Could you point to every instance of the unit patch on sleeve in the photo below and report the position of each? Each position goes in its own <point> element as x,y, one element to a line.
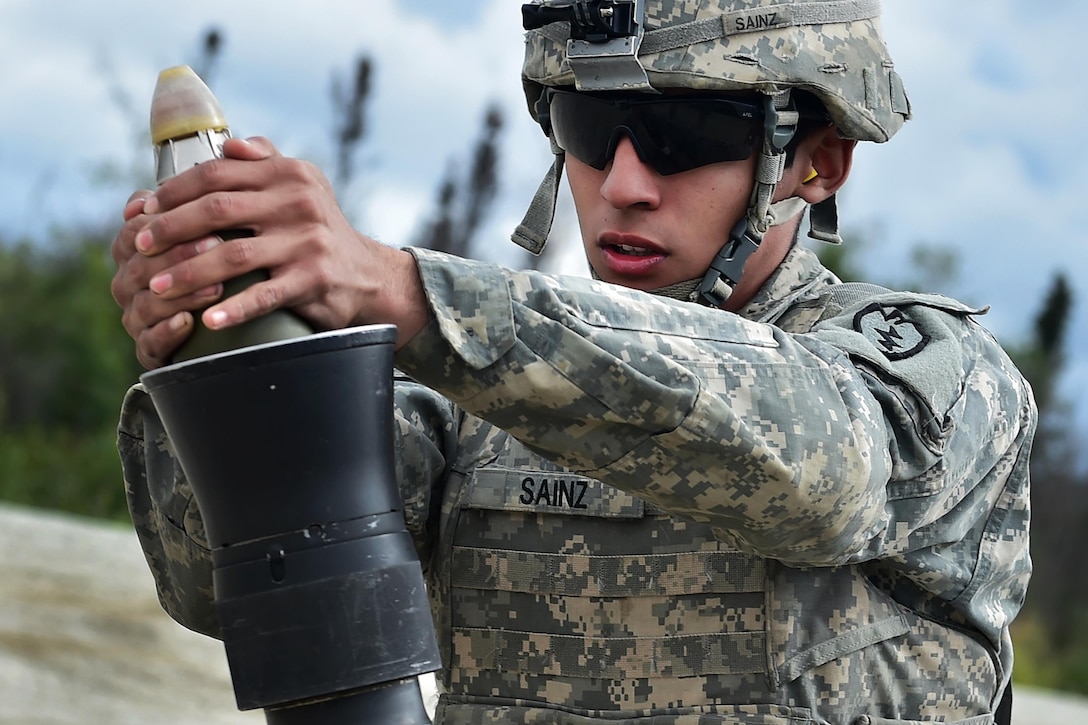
<point>893,333</point>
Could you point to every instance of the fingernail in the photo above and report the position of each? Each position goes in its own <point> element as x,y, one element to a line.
<point>151,205</point>
<point>160,283</point>
<point>143,241</point>
<point>177,322</point>
<point>216,319</point>
<point>205,244</point>
<point>209,292</point>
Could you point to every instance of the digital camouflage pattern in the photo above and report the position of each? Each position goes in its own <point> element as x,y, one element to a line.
<point>843,512</point>
<point>165,515</point>
<point>641,511</point>
<point>832,48</point>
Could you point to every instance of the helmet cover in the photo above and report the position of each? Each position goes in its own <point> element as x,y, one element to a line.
<point>830,48</point>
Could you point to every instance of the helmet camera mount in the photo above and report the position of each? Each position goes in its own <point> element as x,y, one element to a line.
<point>603,43</point>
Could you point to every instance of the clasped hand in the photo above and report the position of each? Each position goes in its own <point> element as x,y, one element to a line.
<point>171,262</point>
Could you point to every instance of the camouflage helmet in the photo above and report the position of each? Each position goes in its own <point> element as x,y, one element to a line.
<point>830,48</point>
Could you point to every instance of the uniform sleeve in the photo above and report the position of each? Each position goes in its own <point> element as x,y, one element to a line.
<point>960,421</point>
<point>791,446</point>
<point>424,444</point>
<point>165,515</point>
<point>169,525</point>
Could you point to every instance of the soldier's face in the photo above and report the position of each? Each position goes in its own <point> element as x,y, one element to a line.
<point>644,230</point>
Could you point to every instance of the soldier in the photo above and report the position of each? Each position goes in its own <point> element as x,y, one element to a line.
<point>711,485</point>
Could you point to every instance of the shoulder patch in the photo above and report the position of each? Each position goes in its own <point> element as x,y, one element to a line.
<point>893,333</point>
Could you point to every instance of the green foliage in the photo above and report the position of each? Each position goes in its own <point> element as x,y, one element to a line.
<point>842,258</point>
<point>61,469</point>
<point>1042,662</point>
<point>65,362</point>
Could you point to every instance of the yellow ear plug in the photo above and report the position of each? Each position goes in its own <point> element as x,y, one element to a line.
<point>811,175</point>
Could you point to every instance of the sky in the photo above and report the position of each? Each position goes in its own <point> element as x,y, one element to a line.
<point>989,167</point>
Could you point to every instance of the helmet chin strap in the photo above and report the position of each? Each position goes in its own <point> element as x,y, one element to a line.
<point>692,290</point>
<point>727,267</point>
<point>536,225</point>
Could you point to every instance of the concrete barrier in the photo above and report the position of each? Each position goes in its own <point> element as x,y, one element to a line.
<point>83,640</point>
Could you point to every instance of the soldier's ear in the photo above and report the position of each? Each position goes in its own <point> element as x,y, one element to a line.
<point>828,155</point>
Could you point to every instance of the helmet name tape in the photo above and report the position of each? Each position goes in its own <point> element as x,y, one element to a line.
<point>747,21</point>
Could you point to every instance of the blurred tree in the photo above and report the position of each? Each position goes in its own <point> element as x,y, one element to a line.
<point>211,48</point>
<point>349,109</point>
<point>65,362</point>
<point>1054,625</point>
<point>933,267</point>
<point>1043,360</point>
<point>462,204</point>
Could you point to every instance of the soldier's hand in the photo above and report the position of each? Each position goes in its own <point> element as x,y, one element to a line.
<point>318,265</point>
<point>158,325</point>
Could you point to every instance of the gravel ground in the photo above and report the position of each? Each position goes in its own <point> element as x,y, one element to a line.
<point>83,640</point>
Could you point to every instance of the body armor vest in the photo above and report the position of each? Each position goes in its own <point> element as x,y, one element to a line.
<point>581,604</point>
<point>562,600</point>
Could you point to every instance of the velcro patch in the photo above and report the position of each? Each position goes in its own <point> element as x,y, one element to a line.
<point>891,331</point>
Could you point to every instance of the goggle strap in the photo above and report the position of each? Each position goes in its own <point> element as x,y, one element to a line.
<point>532,233</point>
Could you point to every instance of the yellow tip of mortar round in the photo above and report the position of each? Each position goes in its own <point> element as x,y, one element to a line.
<point>183,105</point>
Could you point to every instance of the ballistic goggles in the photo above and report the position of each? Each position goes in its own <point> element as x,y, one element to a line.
<point>670,133</point>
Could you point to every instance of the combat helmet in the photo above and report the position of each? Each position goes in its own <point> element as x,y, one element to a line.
<point>830,49</point>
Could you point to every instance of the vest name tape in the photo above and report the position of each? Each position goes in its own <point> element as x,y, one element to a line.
<point>506,489</point>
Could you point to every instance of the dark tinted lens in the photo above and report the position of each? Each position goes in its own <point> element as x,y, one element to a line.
<point>682,135</point>
<point>671,134</point>
<point>583,126</point>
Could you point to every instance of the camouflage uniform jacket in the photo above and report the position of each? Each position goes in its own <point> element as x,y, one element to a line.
<point>641,511</point>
